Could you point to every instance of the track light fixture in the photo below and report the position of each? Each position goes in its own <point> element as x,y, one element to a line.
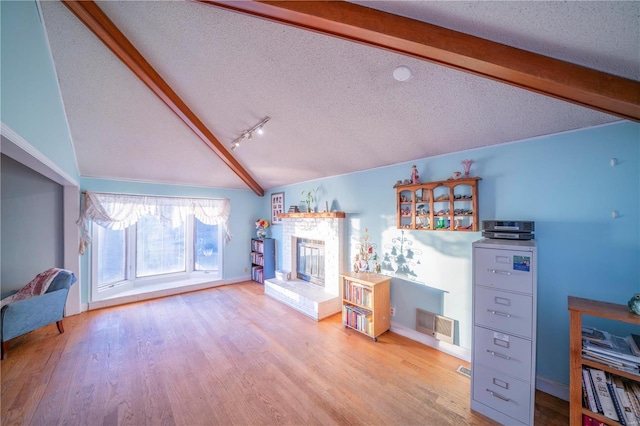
<point>248,134</point>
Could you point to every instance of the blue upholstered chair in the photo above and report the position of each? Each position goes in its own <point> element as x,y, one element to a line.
<point>21,317</point>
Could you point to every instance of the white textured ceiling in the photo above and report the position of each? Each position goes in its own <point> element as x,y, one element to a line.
<point>334,105</point>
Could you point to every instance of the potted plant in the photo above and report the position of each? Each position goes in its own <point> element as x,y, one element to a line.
<point>310,197</point>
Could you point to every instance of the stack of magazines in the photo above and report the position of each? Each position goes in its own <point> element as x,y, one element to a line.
<point>622,353</point>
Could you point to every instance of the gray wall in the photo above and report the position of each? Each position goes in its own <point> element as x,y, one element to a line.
<point>32,227</point>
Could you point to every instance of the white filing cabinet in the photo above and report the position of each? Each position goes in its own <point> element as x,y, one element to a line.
<point>503,355</point>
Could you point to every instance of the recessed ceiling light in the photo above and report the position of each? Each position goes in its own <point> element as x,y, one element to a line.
<point>402,73</point>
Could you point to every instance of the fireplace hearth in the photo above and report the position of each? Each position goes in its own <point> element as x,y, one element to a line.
<point>313,250</point>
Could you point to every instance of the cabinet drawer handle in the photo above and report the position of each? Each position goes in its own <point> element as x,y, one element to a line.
<point>497,395</point>
<point>502,314</point>
<point>498,271</point>
<point>498,354</point>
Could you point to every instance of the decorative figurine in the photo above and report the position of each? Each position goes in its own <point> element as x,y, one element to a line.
<point>366,252</point>
<point>467,167</point>
<point>634,304</point>
<point>455,176</point>
<point>414,175</point>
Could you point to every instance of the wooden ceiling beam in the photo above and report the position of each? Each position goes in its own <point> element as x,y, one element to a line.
<point>531,71</point>
<point>92,16</point>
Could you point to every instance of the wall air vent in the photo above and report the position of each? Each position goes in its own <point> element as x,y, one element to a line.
<point>436,326</point>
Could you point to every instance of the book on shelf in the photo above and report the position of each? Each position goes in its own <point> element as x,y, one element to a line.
<point>590,421</point>
<point>606,342</point>
<point>602,391</point>
<point>618,364</point>
<point>616,404</point>
<point>624,402</point>
<point>358,293</point>
<point>634,343</point>
<point>588,385</point>
<point>358,318</point>
<point>614,351</point>
<point>615,397</point>
<point>633,395</point>
<point>596,337</point>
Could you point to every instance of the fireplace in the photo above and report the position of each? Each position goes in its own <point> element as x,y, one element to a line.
<point>314,287</point>
<point>310,261</point>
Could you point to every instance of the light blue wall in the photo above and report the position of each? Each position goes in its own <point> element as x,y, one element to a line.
<point>245,207</point>
<point>30,98</point>
<point>563,182</point>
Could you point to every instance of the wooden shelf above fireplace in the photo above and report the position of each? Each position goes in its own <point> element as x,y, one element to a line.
<point>323,215</point>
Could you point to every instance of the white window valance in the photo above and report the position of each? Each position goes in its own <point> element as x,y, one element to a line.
<point>119,211</point>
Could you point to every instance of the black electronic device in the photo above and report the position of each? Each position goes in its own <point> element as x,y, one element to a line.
<point>508,229</point>
<point>508,225</point>
<point>508,235</point>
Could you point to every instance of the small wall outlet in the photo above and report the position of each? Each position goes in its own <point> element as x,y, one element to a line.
<point>393,311</point>
<point>246,269</point>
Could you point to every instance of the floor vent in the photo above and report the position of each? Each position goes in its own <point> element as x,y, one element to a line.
<point>464,371</point>
<point>436,326</point>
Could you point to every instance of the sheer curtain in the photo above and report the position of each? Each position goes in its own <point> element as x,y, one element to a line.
<point>119,211</point>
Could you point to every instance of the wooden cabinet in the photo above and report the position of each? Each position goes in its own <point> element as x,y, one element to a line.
<point>577,308</point>
<point>503,351</point>
<point>448,205</point>
<point>263,259</point>
<point>365,303</point>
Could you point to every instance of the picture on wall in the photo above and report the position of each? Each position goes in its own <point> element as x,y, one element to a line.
<point>277,207</point>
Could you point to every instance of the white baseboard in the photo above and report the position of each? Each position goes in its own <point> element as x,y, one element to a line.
<point>543,384</point>
<point>546,385</point>
<point>453,350</point>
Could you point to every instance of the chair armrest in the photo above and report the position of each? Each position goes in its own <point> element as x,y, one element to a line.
<point>30,314</point>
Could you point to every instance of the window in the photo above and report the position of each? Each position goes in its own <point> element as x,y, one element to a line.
<point>154,252</point>
<point>111,257</point>
<point>160,247</point>
<point>207,239</point>
<point>162,240</point>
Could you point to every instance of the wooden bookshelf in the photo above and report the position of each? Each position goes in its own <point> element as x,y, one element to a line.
<point>365,303</point>
<point>577,308</point>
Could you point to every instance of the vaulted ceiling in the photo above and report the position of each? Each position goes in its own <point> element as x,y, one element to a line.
<point>191,77</point>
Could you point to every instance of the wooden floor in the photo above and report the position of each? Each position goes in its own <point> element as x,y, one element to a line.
<point>231,356</point>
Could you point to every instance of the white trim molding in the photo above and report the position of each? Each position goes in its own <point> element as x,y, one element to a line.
<point>15,146</point>
<point>22,151</point>
<point>557,389</point>
<point>453,350</point>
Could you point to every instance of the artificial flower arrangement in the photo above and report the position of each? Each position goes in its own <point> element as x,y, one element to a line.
<point>262,223</point>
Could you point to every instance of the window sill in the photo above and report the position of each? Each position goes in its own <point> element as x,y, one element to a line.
<point>154,291</point>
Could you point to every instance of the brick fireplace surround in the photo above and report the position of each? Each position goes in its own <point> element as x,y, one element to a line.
<point>312,300</point>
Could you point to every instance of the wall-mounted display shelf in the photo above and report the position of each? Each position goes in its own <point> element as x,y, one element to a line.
<point>577,308</point>
<point>447,205</point>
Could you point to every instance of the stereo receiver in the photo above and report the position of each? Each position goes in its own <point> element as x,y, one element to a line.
<point>508,229</point>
